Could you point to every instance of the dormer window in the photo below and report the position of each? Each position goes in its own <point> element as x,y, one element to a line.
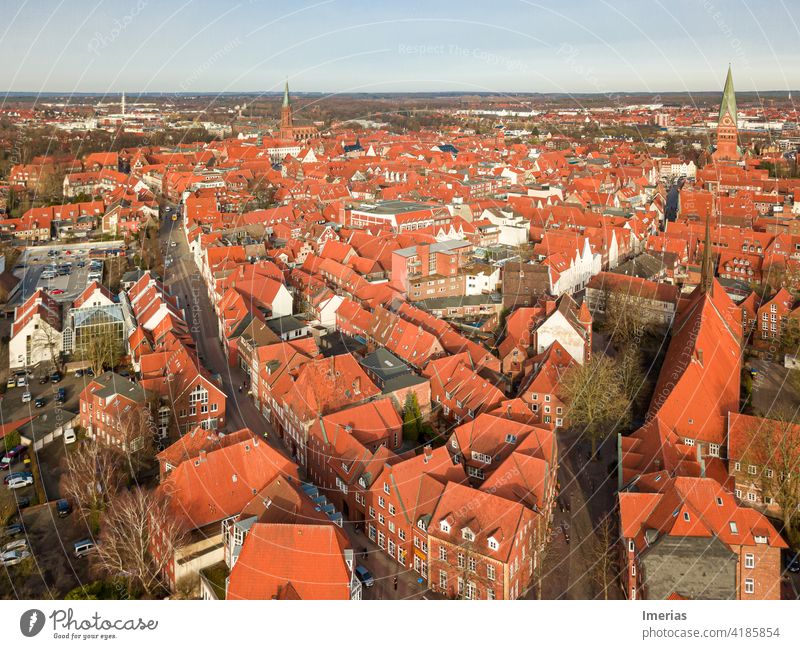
<point>511,439</point>
<point>493,544</point>
<point>444,526</point>
<point>467,534</point>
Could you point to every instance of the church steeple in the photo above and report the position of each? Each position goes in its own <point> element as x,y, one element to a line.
<point>707,269</point>
<point>728,105</point>
<point>727,124</point>
<point>287,124</point>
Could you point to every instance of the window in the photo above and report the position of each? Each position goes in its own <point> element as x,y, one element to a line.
<point>401,533</point>
<point>493,544</point>
<point>734,527</point>
<point>738,493</point>
<point>631,546</point>
<point>713,450</point>
<point>442,553</point>
<point>381,519</point>
<point>769,473</point>
<point>386,486</point>
<point>490,593</point>
<point>686,516</point>
<point>442,580</point>
<point>382,501</point>
<point>749,560</point>
<point>371,512</point>
<point>633,570</point>
<point>749,586</point>
<point>471,563</point>
<point>445,526</point>
<point>737,466</point>
<point>751,469</point>
<point>461,560</point>
<point>467,534</point>
<point>751,497</point>
<point>688,442</point>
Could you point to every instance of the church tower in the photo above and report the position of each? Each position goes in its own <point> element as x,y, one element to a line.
<point>727,129</point>
<point>287,131</point>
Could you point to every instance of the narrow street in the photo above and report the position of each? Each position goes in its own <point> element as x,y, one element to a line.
<point>182,278</point>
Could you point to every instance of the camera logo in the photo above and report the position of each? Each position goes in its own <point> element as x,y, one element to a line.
<point>31,622</point>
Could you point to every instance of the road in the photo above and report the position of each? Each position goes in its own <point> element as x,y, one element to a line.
<point>182,278</point>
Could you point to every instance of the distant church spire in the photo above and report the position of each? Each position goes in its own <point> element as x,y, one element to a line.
<point>707,269</point>
<point>286,95</point>
<point>727,124</point>
<point>122,104</point>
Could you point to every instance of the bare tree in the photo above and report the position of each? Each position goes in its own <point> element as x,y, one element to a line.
<point>604,568</point>
<point>91,476</point>
<point>136,434</point>
<point>625,317</point>
<point>775,449</point>
<point>46,342</point>
<point>102,349</point>
<point>135,523</point>
<point>596,402</point>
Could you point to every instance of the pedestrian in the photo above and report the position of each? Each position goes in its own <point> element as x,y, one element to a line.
<point>395,583</point>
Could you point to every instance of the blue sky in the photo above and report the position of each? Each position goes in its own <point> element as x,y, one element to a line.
<point>403,45</point>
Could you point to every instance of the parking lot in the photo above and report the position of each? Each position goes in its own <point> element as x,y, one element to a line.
<point>63,287</point>
<point>52,570</point>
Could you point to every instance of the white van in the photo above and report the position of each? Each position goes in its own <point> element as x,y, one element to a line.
<point>48,274</point>
<point>82,548</point>
<point>70,436</point>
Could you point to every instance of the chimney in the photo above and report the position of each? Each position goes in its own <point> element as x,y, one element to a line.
<point>202,456</point>
<point>428,450</point>
<point>357,385</point>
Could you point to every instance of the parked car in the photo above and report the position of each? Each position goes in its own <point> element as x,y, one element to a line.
<point>11,383</point>
<point>16,474</point>
<point>18,483</point>
<point>84,547</point>
<point>78,374</point>
<point>13,529</point>
<point>69,436</point>
<point>61,395</point>
<point>57,291</point>
<point>14,557</point>
<point>12,455</point>
<point>63,508</point>
<point>23,502</point>
<point>44,379</point>
<point>793,563</point>
<point>55,377</point>
<point>26,397</point>
<point>40,401</point>
<point>15,545</point>
<point>22,381</point>
<point>365,576</point>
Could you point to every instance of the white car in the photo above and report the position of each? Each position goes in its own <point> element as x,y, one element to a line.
<point>19,544</point>
<point>70,436</point>
<point>26,396</point>
<point>14,557</point>
<point>22,381</point>
<point>17,483</point>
